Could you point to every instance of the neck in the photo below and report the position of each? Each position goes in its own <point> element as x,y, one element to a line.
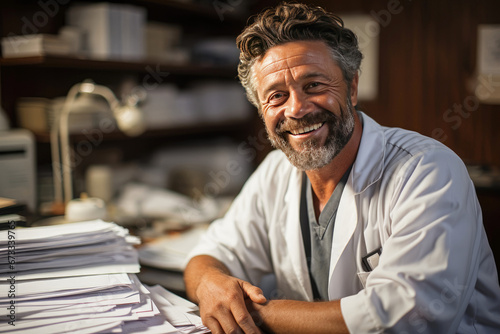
<point>324,180</point>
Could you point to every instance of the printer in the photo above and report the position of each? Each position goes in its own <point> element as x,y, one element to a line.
<point>18,167</point>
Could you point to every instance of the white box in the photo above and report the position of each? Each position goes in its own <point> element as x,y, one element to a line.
<point>133,22</point>
<point>112,31</point>
<point>100,24</point>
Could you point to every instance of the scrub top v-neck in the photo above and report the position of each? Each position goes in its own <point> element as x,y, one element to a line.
<point>318,234</point>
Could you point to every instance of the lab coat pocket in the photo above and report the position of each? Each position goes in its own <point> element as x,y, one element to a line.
<point>363,276</point>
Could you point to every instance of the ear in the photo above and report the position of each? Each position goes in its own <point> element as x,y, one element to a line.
<point>354,89</point>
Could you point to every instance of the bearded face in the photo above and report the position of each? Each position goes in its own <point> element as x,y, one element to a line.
<point>312,153</point>
<point>305,102</point>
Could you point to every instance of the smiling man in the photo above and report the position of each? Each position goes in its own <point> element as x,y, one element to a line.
<point>310,135</point>
<point>365,228</point>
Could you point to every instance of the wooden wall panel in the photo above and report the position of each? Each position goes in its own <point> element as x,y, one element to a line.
<point>426,67</point>
<point>427,63</point>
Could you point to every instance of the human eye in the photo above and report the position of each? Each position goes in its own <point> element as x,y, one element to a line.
<point>313,86</point>
<point>277,98</point>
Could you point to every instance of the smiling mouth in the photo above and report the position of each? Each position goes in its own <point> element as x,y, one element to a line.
<point>306,129</point>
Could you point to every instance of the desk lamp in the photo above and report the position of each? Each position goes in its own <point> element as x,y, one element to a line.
<point>128,118</point>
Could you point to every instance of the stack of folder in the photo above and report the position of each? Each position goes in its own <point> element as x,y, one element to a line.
<point>80,278</point>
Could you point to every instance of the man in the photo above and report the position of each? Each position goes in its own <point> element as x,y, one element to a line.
<point>365,228</point>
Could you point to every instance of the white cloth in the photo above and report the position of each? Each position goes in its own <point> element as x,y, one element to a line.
<point>406,193</point>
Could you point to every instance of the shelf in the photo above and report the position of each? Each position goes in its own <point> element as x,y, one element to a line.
<point>117,65</point>
<point>234,127</point>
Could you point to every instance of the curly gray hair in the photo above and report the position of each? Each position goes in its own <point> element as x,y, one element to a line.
<point>289,22</point>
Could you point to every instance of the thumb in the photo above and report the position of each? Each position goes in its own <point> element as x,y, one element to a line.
<point>254,293</point>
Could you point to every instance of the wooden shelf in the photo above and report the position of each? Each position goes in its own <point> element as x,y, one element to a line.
<point>117,65</point>
<point>230,127</point>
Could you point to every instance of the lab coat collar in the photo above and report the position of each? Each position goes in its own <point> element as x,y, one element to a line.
<point>369,163</point>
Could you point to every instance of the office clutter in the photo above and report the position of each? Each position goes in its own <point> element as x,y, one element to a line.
<point>202,102</point>
<point>165,106</point>
<point>138,200</point>
<point>80,278</point>
<point>171,252</point>
<point>114,31</point>
<point>183,186</point>
<point>127,115</point>
<point>39,114</point>
<point>36,45</point>
<point>163,43</point>
<point>99,182</point>
<point>35,114</point>
<point>208,168</point>
<point>189,75</point>
<point>85,208</point>
<point>211,168</point>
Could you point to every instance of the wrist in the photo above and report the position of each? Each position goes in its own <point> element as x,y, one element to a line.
<point>261,313</point>
<point>197,275</point>
<point>211,283</point>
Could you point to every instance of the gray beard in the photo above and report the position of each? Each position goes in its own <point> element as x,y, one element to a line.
<point>312,155</point>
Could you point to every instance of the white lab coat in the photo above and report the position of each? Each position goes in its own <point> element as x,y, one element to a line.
<point>406,193</point>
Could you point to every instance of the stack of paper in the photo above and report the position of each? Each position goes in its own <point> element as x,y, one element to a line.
<point>79,278</point>
<point>34,45</point>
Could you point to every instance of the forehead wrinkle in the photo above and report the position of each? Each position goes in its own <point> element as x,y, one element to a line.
<point>282,65</point>
<point>287,63</point>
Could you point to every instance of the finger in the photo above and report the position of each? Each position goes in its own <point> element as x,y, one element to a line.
<point>213,325</point>
<point>254,293</point>
<point>244,319</point>
<point>254,313</point>
<point>229,324</point>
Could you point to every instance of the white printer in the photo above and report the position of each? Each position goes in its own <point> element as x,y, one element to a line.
<point>18,166</point>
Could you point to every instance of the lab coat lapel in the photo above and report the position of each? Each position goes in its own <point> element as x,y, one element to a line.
<point>342,262</point>
<point>366,170</point>
<point>293,238</point>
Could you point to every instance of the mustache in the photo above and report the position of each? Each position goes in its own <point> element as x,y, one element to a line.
<point>313,118</point>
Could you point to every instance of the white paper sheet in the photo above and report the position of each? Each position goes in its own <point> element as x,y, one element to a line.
<point>30,287</point>
<point>80,278</point>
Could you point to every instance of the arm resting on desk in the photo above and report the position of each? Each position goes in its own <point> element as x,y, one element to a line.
<point>227,303</point>
<point>291,316</point>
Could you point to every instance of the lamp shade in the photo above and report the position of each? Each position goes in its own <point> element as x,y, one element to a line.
<point>130,120</point>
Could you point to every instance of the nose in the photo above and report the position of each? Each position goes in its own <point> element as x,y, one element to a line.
<point>297,105</point>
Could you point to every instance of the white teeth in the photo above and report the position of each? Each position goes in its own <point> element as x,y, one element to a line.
<point>306,129</point>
